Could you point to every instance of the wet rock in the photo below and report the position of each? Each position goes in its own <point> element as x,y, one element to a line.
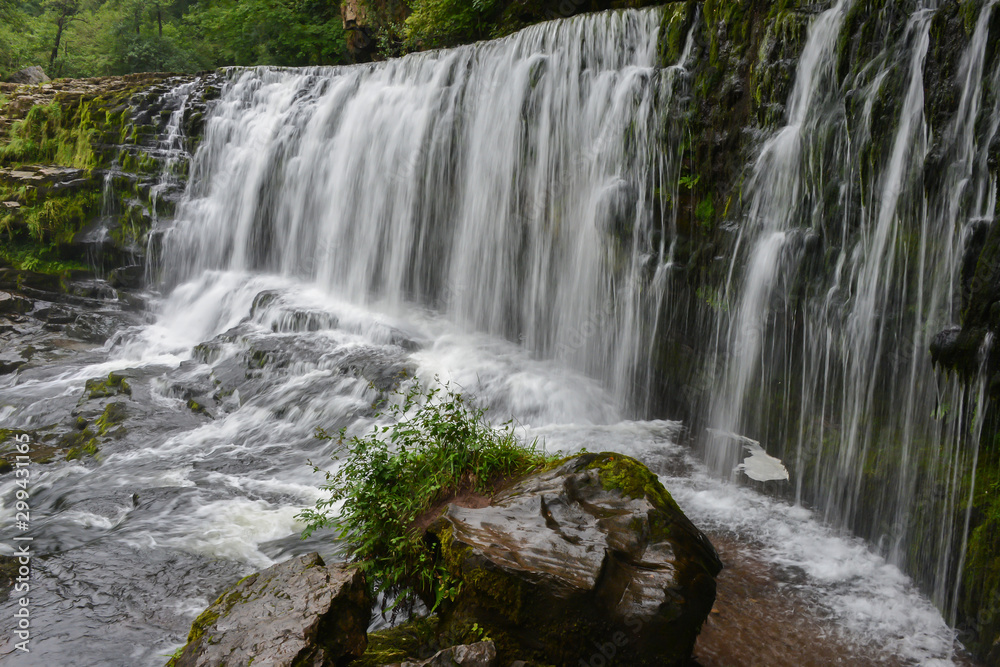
<point>10,365</point>
<point>301,612</point>
<point>615,210</point>
<point>87,288</point>
<point>197,408</point>
<point>55,315</point>
<point>958,348</point>
<point>114,384</point>
<point>80,444</point>
<point>30,283</point>
<point>95,327</point>
<point>592,558</point>
<point>114,414</point>
<point>8,572</point>
<point>12,303</point>
<point>33,75</point>
<point>128,276</point>
<point>38,452</point>
<point>480,654</point>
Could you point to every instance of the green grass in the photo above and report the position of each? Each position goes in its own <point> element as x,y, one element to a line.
<point>26,256</point>
<point>51,134</point>
<point>438,444</point>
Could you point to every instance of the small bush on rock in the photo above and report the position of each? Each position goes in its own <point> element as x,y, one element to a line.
<point>438,445</point>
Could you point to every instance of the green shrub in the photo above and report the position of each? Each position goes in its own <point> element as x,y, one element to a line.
<point>438,23</point>
<point>437,446</point>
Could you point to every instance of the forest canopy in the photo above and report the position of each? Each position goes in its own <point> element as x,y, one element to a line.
<point>81,38</point>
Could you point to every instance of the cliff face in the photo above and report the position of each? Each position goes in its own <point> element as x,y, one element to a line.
<point>88,165</point>
<point>748,56</point>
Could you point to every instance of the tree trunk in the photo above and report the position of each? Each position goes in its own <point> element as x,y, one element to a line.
<point>55,48</point>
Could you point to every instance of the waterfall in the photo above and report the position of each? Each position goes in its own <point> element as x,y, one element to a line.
<point>525,188</point>
<point>847,264</point>
<point>510,185</point>
<point>511,216</point>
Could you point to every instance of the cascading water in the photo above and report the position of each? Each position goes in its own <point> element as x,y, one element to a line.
<point>851,267</point>
<point>497,215</point>
<point>482,181</point>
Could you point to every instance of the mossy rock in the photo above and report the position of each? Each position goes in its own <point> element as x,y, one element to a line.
<point>88,448</point>
<point>299,612</point>
<point>8,572</point>
<point>114,385</point>
<point>588,558</point>
<point>113,415</point>
<point>38,451</point>
<point>415,639</point>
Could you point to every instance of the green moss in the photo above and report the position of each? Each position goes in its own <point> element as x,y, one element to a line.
<point>52,134</point>
<point>39,258</point>
<point>673,31</point>
<point>113,415</point>
<point>114,385</point>
<point>201,624</point>
<point>89,448</point>
<point>57,219</point>
<point>981,574</point>
<point>259,359</point>
<point>415,639</point>
<point>627,475</point>
<point>705,212</point>
<point>218,609</point>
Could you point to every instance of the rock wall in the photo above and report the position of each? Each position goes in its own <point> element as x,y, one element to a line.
<point>745,64</point>
<point>86,166</point>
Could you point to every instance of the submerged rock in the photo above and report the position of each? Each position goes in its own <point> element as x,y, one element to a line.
<point>590,559</point>
<point>300,613</point>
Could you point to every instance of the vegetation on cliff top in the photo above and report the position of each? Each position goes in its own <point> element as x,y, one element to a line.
<point>437,446</point>
<point>80,38</point>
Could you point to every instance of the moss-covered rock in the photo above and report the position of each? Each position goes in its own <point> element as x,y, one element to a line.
<point>415,639</point>
<point>38,451</point>
<point>297,613</point>
<point>57,145</point>
<point>592,557</point>
<point>8,572</point>
<point>114,414</point>
<point>114,385</point>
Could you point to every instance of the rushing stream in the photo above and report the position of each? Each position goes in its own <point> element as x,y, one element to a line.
<point>494,216</point>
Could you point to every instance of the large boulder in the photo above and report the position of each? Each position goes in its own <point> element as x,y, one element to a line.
<point>591,562</point>
<point>31,75</point>
<point>301,612</point>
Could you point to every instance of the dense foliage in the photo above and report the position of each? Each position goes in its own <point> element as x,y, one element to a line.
<point>102,37</point>
<point>436,446</point>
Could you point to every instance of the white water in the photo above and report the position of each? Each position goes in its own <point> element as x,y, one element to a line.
<point>447,214</point>
<point>483,182</point>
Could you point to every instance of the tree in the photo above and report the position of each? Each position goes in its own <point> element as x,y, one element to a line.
<point>63,12</point>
